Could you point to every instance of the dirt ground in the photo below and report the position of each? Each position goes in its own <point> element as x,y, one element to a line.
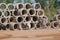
<point>39,34</point>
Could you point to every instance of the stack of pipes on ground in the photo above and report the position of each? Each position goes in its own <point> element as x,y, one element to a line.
<point>25,17</point>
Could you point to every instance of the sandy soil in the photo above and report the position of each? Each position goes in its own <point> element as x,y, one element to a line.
<point>40,34</point>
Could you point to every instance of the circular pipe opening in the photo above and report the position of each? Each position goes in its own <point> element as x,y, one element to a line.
<point>3,20</point>
<point>6,13</point>
<point>28,18</point>
<point>32,11</point>
<point>16,26</point>
<point>56,24</point>
<point>0,13</point>
<point>24,12</point>
<point>10,7</point>
<point>12,19</point>
<point>20,6</point>
<point>16,13</point>
<point>58,17</point>
<point>38,25</point>
<point>2,6</point>
<point>32,25</point>
<point>28,6</point>
<point>35,18</point>
<point>37,6</point>
<point>19,19</point>
<point>40,13</point>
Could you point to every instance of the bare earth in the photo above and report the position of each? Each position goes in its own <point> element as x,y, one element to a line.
<point>40,34</point>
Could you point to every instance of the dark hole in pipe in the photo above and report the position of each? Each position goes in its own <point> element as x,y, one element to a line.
<point>0,13</point>
<point>8,25</point>
<point>31,12</point>
<point>28,6</point>
<point>7,13</point>
<point>20,19</point>
<point>3,20</point>
<point>24,12</point>
<point>32,25</point>
<point>37,6</point>
<point>22,25</point>
<point>28,18</point>
<point>40,13</point>
<point>56,24</point>
<point>16,13</point>
<point>20,6</point>
<point>16,26</point>
<point>58,17</point>
<point>35,18</point>
<point>12,19</point>
<point>38,25</point>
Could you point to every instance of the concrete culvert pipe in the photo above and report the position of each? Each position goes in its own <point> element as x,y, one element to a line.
<point>19,19</point>
<point>20,5</point>
<point>58,18</point>
<point>22,26</point>
<point>0,13</point>
<point>37,6</point>
<point>3,20</point>
<point>10,6</point>
<point>35,18</point>
<point>28,6</point>
<point>16,13</point>
<point>3,6</point>
<point>6,13</point>
<point>28,18</point>
<point>32,25</point>
<point>40,12</point>
<point>12,19</point>
<point>24,12</point>
<point>16,26</point>
<point>8,26</point>
<point>32,11</point>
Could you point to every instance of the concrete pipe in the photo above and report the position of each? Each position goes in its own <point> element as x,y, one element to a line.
<point>36,6</point>
<point>20,5</point>
<point>10,6</point>
<point>24,12</point>
<point>28,5</point>
<point>35,18</point>
<point>19,19</point>
<point>40,12</point>
<point>3,6</point>
<point>4,20</point>
<point>58,17</point>
<point>16,13</point>
<point>7,13</point>
<point>12,19</point>
<point>32,12</point>
<point>28,19</point>
<point>17,26</point>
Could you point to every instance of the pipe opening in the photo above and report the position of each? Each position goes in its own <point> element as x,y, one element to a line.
<point>32,25</point>
<point>22,25</point>
<point>10,7</point>
<point>56,24</point>
<point>37,6</point>
<point>12,19</point>
<point>6,13</point>
<point>31,11</point>
<point>20,19</point>
<point>20,6</point>
<point>16,26</point>
<point>2,6</point>
<point>58,17</point>
<point>24,12</point>
<point>35,18</point>
<point>28,18</point>
<point>7,26</point>
<point>3,20</point>
<point>40,13</point>
<point>0,13</point>
<point>38,25</point>
<point>28,6</point>
<point>16,13</point>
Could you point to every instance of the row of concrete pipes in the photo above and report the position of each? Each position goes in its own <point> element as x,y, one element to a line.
<point>12,6</point>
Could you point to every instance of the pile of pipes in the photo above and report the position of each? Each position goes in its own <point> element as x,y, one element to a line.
<point>22,16</point>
